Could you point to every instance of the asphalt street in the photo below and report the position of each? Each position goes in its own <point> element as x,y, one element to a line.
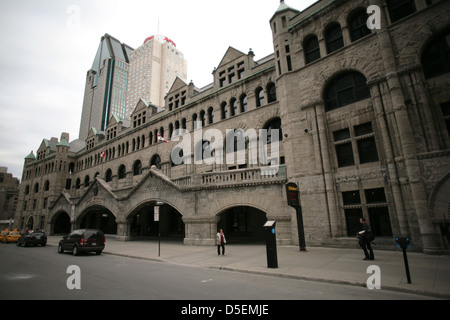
<point>40,273</point>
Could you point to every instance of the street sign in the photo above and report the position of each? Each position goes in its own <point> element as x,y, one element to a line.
<point>293,199</point>
<point>156,213</point>
<point>292,194</point>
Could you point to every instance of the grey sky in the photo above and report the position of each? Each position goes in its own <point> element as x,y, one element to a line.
<point>49,45</point>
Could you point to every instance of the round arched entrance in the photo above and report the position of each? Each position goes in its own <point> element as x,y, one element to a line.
<point>243,224</point>
<point>145,225</point>
<point>30,223</point>
<point>98,217</point>
<point>61,223</point>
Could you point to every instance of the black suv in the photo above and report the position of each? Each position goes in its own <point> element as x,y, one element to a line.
<point>33,237</point>
<point>83,240</point>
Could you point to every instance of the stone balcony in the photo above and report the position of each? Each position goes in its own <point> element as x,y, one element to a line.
<point>221,179</point>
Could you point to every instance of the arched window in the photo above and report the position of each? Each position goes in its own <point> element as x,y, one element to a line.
<point>202,118</point>
<point>271,92</point>
<point>243,101</point>
<point>436,57</point>
<point>137,168</point>
<point>234,107</point>
<point>47,185</point>
<point>259,97</point>
<point>345,89</point>
<point>224,110</point>
<point>170,130</point>
<point>357,22</point>
<point>274,124</point>
<point>333,37</point>
<point>121,173</point>
<point>86,181</point>
<point>194,121</point>
<point>155,161</point>
<point>108,175</point>
<point>210,115</point>
<point>311,48</point>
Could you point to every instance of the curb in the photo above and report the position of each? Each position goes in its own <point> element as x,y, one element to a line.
<point>286,276</point>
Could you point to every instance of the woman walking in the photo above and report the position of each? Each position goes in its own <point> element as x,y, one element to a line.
<point>221,242</point>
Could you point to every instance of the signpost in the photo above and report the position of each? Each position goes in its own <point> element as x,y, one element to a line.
<point>293,199</point>
<point>156,218</point>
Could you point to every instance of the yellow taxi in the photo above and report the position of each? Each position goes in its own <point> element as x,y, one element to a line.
<point>11,236</point>
<point>3,234</point>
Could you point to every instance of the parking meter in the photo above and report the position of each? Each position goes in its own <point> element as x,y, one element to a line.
<point>271,244</point>
<point>404,243</point>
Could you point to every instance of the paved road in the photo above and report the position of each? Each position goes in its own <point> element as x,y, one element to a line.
<point>41,273</point>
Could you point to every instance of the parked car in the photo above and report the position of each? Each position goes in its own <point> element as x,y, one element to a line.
<point>33,237</point>
<point>11,236</point>
<point>3,234</point>
<point>83,240</point>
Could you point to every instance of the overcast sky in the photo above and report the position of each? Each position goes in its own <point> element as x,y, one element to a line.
<point>47,46</point>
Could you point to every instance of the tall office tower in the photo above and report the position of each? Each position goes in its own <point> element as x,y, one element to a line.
<point>152,70</point>
<point>106,86</point>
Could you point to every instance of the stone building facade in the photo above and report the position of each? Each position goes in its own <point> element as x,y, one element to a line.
<point>9,192</point>
<point>363,120</point>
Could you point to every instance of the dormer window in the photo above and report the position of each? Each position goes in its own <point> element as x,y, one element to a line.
<point>177,100</point>
<point>231,74</point>
<point>111,133</point>
<point>139,119</point>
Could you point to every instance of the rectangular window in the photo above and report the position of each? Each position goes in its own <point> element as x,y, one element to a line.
<point>375,195</point>
<point>367,148</point>
<point>398,9</point>
<point>289,63</point>
<point>352,217</point>
<point>344,151</point>
<point>351,197</point>
<point>380,223</point>
<point>344,154</point>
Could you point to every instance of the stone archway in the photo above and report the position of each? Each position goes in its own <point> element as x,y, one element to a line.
<point>143,225</point>
<point>98,217</point>
<point>440,209</point>
<point>242,224</point>
<point>61,223</point>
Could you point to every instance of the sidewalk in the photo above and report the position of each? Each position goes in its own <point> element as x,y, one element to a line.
<point>430,274</point>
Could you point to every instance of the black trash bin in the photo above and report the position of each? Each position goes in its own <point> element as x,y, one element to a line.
<point>271,244</point>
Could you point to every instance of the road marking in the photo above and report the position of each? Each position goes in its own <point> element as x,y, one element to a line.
<point>20,276</point>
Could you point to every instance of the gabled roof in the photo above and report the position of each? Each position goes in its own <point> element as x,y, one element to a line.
<point>140,105</point>
<point>31,156</point>
<point>63,143</point>
<point>113,120</point>
<point>177,84</point>
<point>93,132</point>
<point>230,55</point>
